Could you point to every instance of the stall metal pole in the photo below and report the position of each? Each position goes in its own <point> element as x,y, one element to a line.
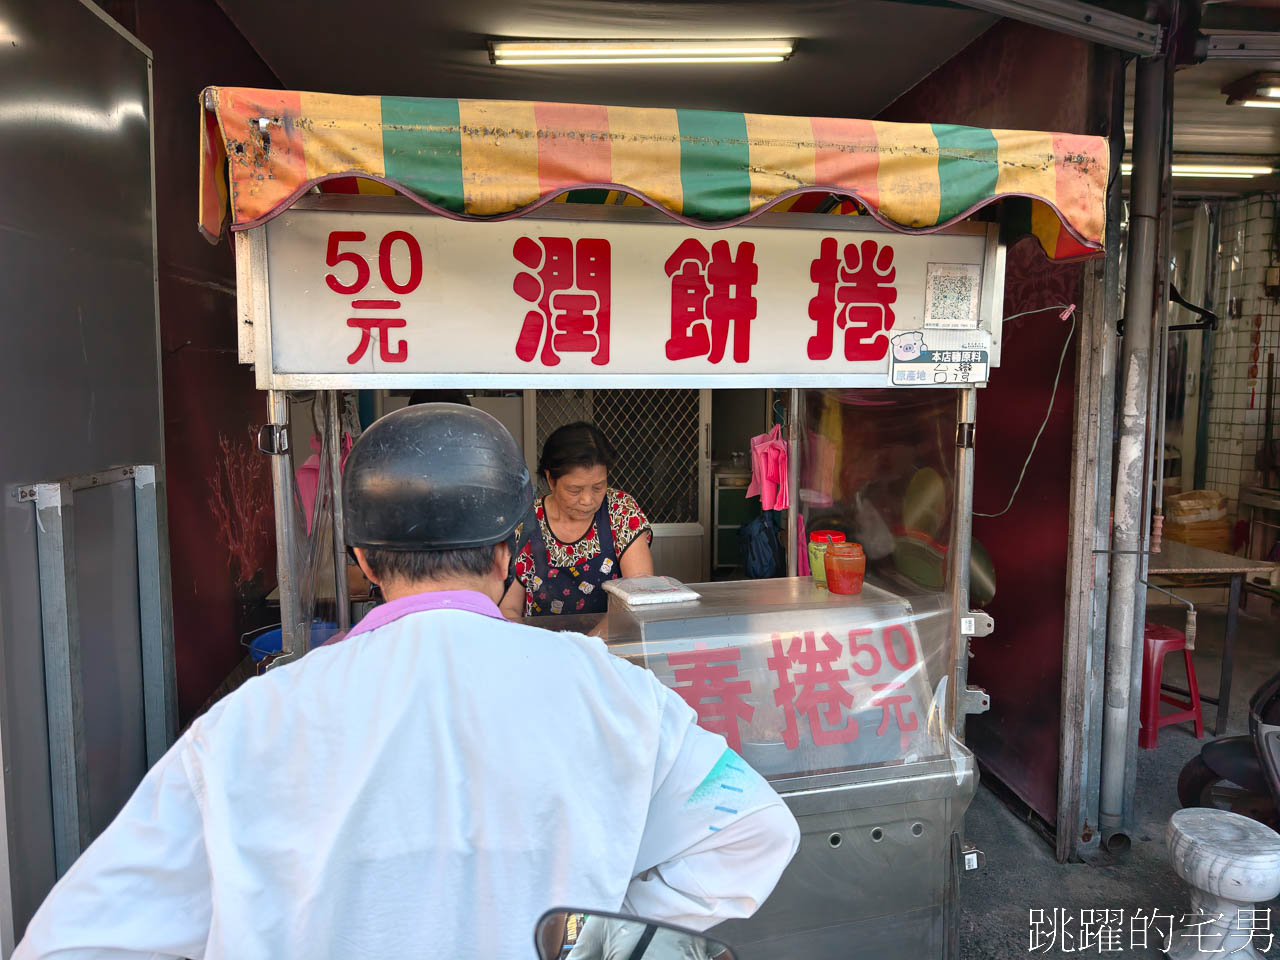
<point>1131,473</point>
<point>961,551</point>
<point>1152,492</point>
<point>1162,327</point>
<point>1087,834</point>
<point>794,546</point>
<point>293,636</point>
<point>342,597</point>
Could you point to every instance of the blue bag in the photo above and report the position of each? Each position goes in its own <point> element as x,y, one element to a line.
<point>758,544</point>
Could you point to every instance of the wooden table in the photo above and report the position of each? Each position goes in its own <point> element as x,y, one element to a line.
<point>1179,558</point>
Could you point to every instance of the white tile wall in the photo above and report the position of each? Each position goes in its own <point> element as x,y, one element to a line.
<point>1240,364</point>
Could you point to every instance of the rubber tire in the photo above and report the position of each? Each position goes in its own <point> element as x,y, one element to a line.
<point>1195,778</point>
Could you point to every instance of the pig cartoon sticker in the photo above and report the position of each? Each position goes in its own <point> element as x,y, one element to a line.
<point>907,346</point>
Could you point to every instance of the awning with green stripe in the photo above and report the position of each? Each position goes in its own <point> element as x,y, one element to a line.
<point>479,159</point>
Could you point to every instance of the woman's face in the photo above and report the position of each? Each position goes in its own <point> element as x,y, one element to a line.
<point>579,492</point>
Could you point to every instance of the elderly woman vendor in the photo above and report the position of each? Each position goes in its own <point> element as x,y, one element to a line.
<point>587,532</point>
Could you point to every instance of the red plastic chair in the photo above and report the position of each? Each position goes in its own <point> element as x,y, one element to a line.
<point>1158,641</point>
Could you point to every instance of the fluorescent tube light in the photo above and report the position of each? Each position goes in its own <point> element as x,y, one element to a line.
<point>1272,104</point>
<point>1224,171</point>
<point>506,53</point>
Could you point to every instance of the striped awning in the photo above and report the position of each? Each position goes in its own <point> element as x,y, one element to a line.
<point>481,159</point>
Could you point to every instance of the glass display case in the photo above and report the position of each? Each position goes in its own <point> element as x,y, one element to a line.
<point>845,703</point>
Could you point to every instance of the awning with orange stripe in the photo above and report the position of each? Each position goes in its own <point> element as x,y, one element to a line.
<point>480,159</point>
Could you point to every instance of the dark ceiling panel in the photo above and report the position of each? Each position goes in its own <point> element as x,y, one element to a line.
<point>853,57</point>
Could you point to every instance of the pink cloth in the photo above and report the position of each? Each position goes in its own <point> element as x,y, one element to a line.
<point>307,476</point>
<point>769,470</point>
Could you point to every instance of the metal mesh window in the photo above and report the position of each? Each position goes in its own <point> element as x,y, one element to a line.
<point>656,435</point>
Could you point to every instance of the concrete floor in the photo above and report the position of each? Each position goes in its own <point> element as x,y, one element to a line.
<point>1020,872</point>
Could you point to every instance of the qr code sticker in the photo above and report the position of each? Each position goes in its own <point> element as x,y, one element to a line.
<point>951,295</point>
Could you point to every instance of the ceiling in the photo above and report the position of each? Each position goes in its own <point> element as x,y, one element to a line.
<point>853,57</point>
<point>1203,124</point>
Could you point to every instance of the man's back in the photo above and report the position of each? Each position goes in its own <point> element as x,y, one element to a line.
<point>435,781</point>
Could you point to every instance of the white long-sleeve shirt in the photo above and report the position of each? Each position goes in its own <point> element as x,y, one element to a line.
<point>428,786</point>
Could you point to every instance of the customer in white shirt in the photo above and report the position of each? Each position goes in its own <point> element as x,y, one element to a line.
<point>434,782</point>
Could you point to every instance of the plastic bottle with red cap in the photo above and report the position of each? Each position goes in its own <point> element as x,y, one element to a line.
<point>819,540</point>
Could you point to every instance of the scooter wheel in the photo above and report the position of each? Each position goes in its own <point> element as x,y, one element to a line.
<point>1199,786</point>
<point>1195,783</point>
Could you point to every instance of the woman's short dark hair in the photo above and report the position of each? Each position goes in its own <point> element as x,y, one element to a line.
<point>575,445</point>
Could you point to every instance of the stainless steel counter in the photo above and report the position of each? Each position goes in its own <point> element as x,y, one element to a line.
<point>800,681</point>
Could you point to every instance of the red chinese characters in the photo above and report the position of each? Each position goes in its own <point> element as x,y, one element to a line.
<point>570,285</point>
<point>705,679</point>
<point>856,294</point>
<point>821,696</point>
<point>894,703</point>
<point>711,293</point>
<point>368,324</point>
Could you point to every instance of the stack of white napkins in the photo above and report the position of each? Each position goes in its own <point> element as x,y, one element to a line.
<point>638,591</point>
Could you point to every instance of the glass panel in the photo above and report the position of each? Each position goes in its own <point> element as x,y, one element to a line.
<point>804,681</point>
<point>800,680</point>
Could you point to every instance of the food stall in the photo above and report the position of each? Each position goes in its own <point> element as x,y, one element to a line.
<point>400,243</point>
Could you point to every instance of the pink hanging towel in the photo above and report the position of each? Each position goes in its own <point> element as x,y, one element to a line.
<point>769,470</point>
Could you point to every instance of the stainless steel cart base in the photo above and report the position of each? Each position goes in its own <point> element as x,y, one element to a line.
<point>873,876</point>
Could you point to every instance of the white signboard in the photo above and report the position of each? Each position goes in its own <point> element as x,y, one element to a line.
<point>396,299</point>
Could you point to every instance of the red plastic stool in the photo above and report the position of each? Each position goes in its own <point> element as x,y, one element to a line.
<point>1157,642</point>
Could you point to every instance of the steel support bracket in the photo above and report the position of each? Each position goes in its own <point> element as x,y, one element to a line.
<point>975,623</point>
<point>1085,20</point>
<point>976,700</point>
<point>1239,45</point>
<point>964,435</point>
<point>273,439</point>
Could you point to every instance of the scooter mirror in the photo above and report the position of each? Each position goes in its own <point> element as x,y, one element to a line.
<point>577,934</point>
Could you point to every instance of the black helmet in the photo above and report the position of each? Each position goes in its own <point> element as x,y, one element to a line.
<point>437,476</point>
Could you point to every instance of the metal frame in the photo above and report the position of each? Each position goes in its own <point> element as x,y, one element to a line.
<point>1085,20</point>
<point>1124,643</point>
<point>1081,657</point>
<point>155,606</point>
<point>960,556</point>
<point>254,310</point>
<point>54,503</point>
<point>111,22</point>
<point>254,301</point>
<point>333,430</point>
<point>254,313</point>
<point>705,517</point>
<point>64,692</point>
<point>1241,45</point>
<point>7,937</point>
<point>293,638</point>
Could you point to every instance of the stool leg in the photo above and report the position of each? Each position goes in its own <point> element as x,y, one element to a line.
<point>1212,929</point>
<point>1150,708</point>
<point>1194,689</point>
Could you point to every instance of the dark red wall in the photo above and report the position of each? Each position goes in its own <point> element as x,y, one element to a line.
<point>1021,77</point>
<point>220,522</point>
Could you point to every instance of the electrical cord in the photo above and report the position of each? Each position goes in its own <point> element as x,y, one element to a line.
<point>1067,310</point>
